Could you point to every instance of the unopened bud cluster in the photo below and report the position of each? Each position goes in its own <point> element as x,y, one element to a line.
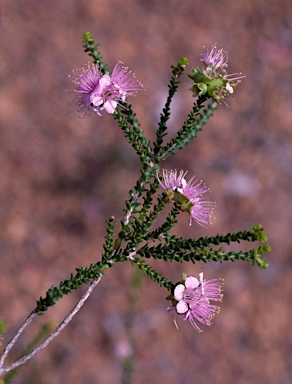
<point>212,80</point>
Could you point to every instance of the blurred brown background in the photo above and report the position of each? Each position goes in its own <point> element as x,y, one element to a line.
<point>62,177</point>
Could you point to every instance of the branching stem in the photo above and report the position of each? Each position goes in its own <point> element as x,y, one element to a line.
<point>54,334</point>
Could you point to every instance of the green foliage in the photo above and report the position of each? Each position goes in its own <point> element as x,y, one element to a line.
<point>83,276</point>
<point>254,234</point>
<point>197,118</point>
<point>129,124</point>
<point>154,275</point>
<point>3,326</point>
<point>177,71</point>
<point>170,221</point>
<point>109,239</point>
<point>137,238</point>
<point>179,249</point>
<point>92,49</point>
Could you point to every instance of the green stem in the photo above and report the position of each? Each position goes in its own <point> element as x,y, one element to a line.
<point>177,71</point>
<point>197,118</point>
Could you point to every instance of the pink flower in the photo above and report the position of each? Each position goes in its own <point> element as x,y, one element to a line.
<point>87,78</point>
<point>201,211</point>
<point>124,81</point>
<point>172,181</point>
<point>212,79</point>
<point>97,92</point>
<point>193,298</point>
<point>215,60</point>
<point>188,195</point>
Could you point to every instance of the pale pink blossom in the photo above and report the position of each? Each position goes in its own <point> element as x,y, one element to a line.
<point>188,195</point>
<point>172,180</point>
<point>87,79</point>
<point>97,92</point>
<point>215,60</point>
<point>193,298</point>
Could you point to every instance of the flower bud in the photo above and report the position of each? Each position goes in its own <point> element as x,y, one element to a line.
<point>212,79</point>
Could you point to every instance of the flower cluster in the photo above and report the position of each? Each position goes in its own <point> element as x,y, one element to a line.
<point>97,92</point>
<point>193,296</point>
<point>188,195</point>
<point>212,79</point>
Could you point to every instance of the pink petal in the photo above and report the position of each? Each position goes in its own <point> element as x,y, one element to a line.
<point>178,292</point>
<point>110,106</point>
<point>182,307</point>
<point>192,282</point>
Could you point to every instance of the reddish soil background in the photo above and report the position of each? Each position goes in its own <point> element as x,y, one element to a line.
<point>62,177</point>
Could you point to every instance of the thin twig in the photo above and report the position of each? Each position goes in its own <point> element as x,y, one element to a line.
<point>30,317</point>
<point>55,333</point>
